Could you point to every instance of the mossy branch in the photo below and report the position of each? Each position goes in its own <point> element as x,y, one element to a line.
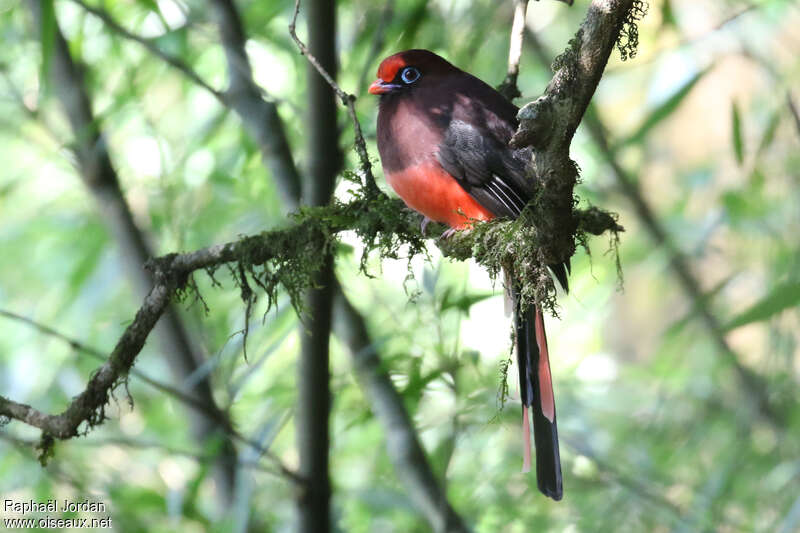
<point>288,258</point>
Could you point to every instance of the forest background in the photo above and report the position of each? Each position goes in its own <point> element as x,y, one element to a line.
<point>676,383</point>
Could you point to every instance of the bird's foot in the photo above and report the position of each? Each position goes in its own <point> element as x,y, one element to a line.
<point>449,233</point>
<point>423,226</point>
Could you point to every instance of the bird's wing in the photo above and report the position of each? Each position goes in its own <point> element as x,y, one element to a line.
<point>485,168</point>
<point>491,173</point>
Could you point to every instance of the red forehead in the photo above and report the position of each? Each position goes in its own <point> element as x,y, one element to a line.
<point>390,66</point>
<point>425,60</point>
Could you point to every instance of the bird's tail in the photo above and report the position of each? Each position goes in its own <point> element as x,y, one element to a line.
<point>536,392</point>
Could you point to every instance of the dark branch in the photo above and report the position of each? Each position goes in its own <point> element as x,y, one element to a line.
<point>314,396</point>
<point>184,398</point>
<point>376,218</point>
<point>89,406</point>
<point>682,271</point>
<point>793,110</point>
<point>549,123</point>
<point>244,96</point>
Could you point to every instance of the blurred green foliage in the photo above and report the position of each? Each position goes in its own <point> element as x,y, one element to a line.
<point>656,433</point>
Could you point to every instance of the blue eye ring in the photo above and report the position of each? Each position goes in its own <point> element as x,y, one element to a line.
<point>409,75</point>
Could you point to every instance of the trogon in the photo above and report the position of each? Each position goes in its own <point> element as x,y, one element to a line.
<point>443,139</point>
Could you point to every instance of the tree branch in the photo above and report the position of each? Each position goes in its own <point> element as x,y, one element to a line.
<point>548,124</point>
<point>243,96</point>
<point>381,222</point>
<point>793,110</point>
<point>680,267</point>
<point>259,115</point>
<point>89,405</point>
<point>186,399</point>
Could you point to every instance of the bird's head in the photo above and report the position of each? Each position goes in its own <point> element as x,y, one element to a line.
<point>405,71</point>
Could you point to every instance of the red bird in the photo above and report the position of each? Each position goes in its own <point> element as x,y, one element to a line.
<point>443,139</point>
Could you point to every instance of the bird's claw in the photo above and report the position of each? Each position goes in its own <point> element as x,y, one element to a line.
<point>449,233</point>
<point>423,226</point>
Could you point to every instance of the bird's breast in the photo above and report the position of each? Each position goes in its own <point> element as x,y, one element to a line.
<point>426,187</point>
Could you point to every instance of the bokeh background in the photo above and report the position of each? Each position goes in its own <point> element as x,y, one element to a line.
<point>695,142</point>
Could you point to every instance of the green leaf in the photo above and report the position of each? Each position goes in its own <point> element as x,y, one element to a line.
<point>463,301</point>
<point>94,243</point>
<point>417,383</point>
<point>781,297</point>
<point>769,132</point>
<point>667,16</point>
<point>664,110</point>
<point>738,144</point>
<point>47,32</point>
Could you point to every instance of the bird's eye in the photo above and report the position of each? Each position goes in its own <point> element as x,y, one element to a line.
<point>409,75</point>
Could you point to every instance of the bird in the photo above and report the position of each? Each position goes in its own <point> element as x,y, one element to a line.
<point>443,138</point>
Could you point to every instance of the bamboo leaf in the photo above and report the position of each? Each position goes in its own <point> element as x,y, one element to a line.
<point>668,16</point>
<point>769,132</point>
<point>47,32</point>
<point>781,297</point>
<point>705,299</point>
<point>664,110</point>
<point>463,302</point>
<point>738,143</point>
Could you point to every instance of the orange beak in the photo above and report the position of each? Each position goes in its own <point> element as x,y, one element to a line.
<point>381,87</point>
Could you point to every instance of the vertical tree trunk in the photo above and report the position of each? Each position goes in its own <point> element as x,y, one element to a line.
<point>314,397</point>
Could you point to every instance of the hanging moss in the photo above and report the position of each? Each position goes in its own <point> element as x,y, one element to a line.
<point>46,449</point>
<point>628,41</point>
<point>289,258</point>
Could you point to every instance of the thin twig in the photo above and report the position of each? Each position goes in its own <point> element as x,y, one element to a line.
<point>633,484</point>
<point>509,87</point>
<point>151,47</point>
<point>793,110</point>
<point>347,99</point>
